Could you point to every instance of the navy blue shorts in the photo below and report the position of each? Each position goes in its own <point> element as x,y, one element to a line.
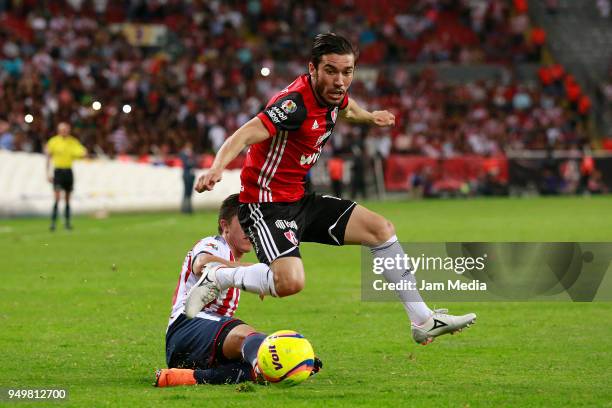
<point>198,343</point>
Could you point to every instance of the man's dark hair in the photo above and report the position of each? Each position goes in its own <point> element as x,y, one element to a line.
<point>229,208</point>
<point>330,43</point>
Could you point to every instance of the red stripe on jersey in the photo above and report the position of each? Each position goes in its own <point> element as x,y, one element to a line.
<point>225,305</point>
<point>178,284</point>
<point>235,306</point>
<point>228,305</point>
<point>174,296</point>
<point>188,269</point>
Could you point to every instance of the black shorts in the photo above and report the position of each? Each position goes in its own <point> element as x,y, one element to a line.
<point>198,342</point>
<point>276,229</point>
<point>63,179</point>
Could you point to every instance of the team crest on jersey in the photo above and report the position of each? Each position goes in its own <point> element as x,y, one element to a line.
<point>290,235</point>
<point>334,114</point>
<point>289,106</point>
<point>213,246</point>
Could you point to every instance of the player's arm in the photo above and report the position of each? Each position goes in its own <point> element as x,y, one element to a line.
<point>250,133</point>
<point>204,258</point>
<point>356,114</point>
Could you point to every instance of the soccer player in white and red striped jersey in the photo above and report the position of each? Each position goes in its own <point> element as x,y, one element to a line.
<point>214,347</point>
<point>284,141</point>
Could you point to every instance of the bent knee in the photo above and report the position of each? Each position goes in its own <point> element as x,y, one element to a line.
<point>289,281</point>
<point>240,333</point>
<point>383,230</point>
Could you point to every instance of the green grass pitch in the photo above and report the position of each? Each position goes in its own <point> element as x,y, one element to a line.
<point>87,310</point>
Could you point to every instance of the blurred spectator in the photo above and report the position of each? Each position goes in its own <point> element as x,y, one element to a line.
<point>193,71</point>
<point>335,167</point>
<point>216,135</point>
<point>587,169</point>
<point>604,8</point>
<point>7,139</point>
<point>188,161</point>
<point>358,183</point>
<point>570,174</point>
<point>595,183</point>
<point>552,6</point>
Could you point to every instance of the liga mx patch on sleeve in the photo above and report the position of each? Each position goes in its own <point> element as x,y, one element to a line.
<point>289,106</point>
<point>288,112</point>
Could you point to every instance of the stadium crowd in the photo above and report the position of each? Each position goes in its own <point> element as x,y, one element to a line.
<point>205,80</point>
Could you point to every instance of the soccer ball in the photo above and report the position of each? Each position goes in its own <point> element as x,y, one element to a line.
<point>285,357</point>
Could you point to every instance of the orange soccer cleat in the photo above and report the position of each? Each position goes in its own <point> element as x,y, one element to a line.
<point>170,377</point>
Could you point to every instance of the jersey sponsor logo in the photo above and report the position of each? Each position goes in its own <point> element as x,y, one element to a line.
<point>290,235</point>
<point>283,224</point>
<point>276,114</point>
<point>334,114</point>
<point>315,125</point>
<point>310,159</point>
<point>289,106</point>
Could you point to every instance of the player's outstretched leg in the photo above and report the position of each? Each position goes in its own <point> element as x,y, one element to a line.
<point>257,278</point>
<point>241,346</point>
<point>370,229</point>
<point>230,373</point>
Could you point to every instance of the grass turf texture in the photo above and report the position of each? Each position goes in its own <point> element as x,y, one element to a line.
<point>87,310</point>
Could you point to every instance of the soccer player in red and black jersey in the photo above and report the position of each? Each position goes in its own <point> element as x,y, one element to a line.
<point>285,141</point>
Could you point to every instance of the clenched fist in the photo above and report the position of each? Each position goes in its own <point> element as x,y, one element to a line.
<point>383,118</point>
<point>207,181</point>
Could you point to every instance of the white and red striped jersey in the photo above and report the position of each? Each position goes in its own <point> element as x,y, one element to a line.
<point>274,170</point>
<point>227,301</point>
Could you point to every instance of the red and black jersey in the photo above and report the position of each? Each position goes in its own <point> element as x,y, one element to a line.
<point>274,169</point>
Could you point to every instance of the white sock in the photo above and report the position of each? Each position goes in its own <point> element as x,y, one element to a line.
<point>417,310</point>
<point>257,278</point>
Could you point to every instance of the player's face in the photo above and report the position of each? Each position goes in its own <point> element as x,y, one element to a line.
<point>333,77</point>
<point>236,236</point>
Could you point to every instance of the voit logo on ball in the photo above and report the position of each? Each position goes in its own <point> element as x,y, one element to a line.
<point>289,106</point>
